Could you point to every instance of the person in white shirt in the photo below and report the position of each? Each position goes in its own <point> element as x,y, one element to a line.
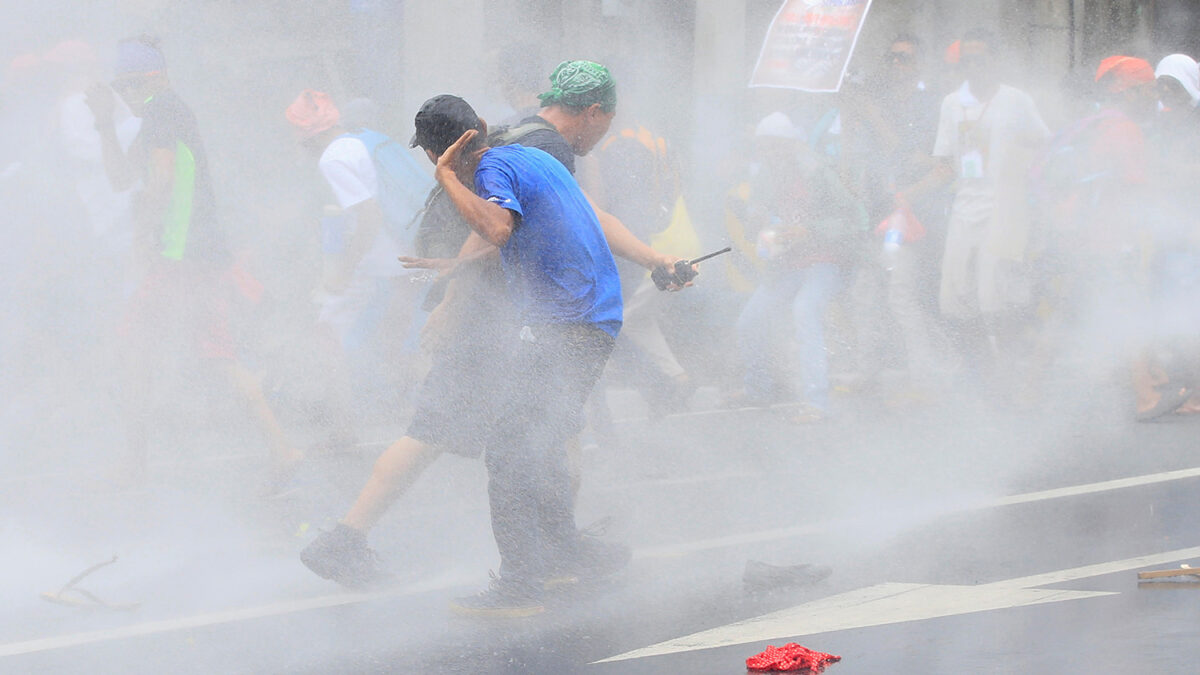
<point>369,255</point>
<point>366,287</point>
<point>988,134</point>
<point>107,209</point>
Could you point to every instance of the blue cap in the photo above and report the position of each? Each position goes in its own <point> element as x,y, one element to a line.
<point>136,57</point>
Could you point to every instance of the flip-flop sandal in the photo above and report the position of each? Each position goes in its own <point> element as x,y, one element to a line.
<point>74,596</point>
<point>1168,403</point>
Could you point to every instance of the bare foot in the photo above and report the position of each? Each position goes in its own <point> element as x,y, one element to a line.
<point>1191,407</point>
<point>1161,404</point>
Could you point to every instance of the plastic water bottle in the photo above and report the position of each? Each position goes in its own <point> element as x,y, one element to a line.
<point>767,244</point>
<point>893,237</point>
<point>768,240</point>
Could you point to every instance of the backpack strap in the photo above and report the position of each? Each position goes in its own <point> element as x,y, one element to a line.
<point>382,148</point>
<point>368,137</point>
<point>510,135</point>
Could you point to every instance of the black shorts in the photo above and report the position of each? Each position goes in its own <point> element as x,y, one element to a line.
<point>457,402</point>
<point>491,378</point>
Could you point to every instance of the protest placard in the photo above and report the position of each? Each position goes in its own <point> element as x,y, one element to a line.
<point>809,44</point>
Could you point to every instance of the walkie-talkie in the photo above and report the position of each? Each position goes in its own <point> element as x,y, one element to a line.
<point>683,271</point>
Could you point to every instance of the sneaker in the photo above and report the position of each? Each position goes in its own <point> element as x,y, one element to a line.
<point>502,599</point>
<point>806,414</point>
<point>341,555</point>
<point>761,576</point>
<point>281,481</point>
<point>669,397</point>
<point>595,559</point>
<point>571,572</point>
<point>742,399</point>
<point>557,581</point>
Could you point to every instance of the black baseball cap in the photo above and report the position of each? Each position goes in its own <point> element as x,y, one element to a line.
<point>441,121</point>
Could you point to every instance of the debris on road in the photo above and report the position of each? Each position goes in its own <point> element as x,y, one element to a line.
<point>1184,570</point>
<point>761,576</point>
<point>72,596</point>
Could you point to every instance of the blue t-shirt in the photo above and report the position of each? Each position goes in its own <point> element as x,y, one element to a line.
<point>557,260</point>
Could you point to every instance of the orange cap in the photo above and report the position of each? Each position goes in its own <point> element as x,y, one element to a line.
<point>71,53</point>
<point>954,52</point>
<point>22,67</point>
<point>1123,72</point>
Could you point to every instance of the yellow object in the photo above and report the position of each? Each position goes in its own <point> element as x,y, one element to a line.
<point>680,236</point>
<point>736,230</point>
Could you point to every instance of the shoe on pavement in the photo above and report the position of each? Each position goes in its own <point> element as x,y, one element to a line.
<point>281,481</point>
<point>502,599</point>
<point>763,576</point>
<point>341,555</point>
<point>595,559</point>
<point>743,399</point>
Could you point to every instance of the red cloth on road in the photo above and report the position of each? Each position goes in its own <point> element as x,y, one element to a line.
<point>790,657</point>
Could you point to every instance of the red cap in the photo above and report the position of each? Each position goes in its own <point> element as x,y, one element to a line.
<point>1124,72</point>
<point>312,112</point>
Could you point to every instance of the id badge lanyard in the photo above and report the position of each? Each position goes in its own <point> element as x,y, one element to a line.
<point>971,164</point>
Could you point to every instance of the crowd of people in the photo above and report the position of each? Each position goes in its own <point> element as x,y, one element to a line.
<point>965,242</point>
<point>971,244</point>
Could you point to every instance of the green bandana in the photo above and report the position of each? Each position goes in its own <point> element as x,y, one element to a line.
<point>579,84</point>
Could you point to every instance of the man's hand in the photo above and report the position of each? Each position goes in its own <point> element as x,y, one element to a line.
<point>673,274</point>
<point>100,99</point>
<point>442,265</point>
<point>449,158</point>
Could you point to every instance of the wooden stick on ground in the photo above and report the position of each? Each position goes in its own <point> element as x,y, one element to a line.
<point>1183,571</point>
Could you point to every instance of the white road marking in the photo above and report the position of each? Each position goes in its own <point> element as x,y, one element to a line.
<point>872,606</point>
<point>1100,569</point>
<point>676,550</point>
<point>678,480</point>
<point>743,539</point>
<point>710,412</point>
<point>891,603</point>
<point>228,616</point>
<point>1090,488</point>
<point>671,550</point>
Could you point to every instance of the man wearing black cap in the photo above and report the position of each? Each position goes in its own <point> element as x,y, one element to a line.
<point>457,401</point>
<point>564,282</point>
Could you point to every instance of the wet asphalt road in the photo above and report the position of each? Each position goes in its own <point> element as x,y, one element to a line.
<point>926,515</point>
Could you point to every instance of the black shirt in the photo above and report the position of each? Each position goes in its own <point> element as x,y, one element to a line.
<point>549,141</point>
<point>188,229</point>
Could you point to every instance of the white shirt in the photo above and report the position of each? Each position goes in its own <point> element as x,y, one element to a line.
<point>108,211</point>
<point>1007,121</point>
<point>350,172</point>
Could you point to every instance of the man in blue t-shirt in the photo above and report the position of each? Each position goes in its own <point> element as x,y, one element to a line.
<point>563,279</point>
<point>557,261</point>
